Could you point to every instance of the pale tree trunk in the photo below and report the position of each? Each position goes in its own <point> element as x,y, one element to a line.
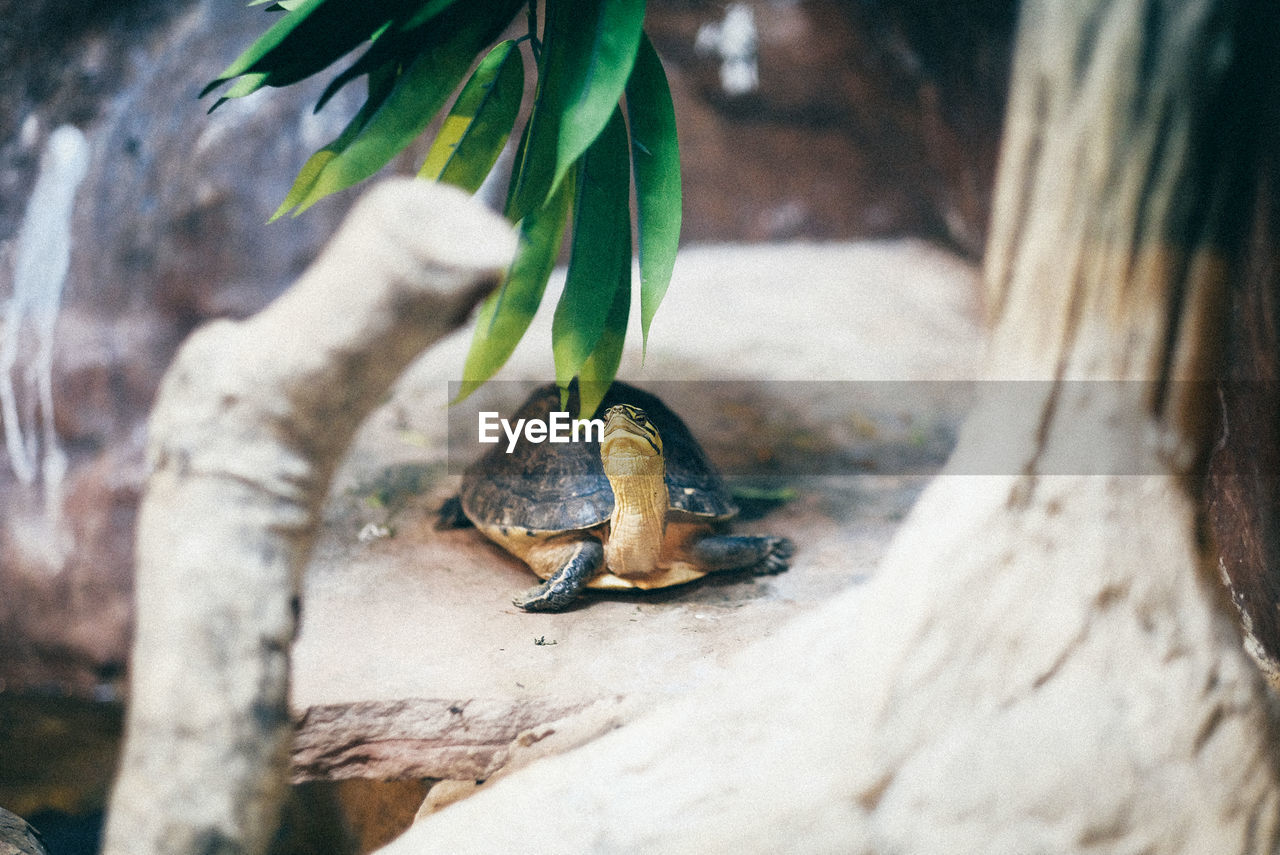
<point>247,429</point>
<point>1044,661</point>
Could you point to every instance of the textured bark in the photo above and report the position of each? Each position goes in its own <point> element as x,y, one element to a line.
<point>463,740</point>
<point>1124,196</point>
<point>249,425</point>
<point>1244,490</point>
<point>1043,663</point>
<point>17,837</point>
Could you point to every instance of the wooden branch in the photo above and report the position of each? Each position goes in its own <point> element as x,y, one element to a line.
<point>249,424</point>
<point>1043,662</point>
<point>1124,193</point>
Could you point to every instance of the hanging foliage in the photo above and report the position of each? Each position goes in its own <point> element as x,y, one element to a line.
<point>601,124</point>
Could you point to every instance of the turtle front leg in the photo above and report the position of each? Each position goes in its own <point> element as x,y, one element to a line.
<point>451,515</point>
<point>583,561</point>
<point>763,555</point>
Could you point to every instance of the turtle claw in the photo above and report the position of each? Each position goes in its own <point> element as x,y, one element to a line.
<point>529,598</point>
<point>777,558</point>
<point>541,598</point>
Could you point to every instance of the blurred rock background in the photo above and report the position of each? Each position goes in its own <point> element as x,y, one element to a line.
<point>869,118</point>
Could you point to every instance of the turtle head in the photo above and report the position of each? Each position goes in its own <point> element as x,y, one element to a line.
<point>630,444</point>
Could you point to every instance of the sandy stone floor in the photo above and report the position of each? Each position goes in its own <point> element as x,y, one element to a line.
<point>838,386</point>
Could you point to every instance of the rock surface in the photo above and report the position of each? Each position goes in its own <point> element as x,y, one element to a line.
<point>168,232</point>
<point>412,661</point>
<point>869,119</point>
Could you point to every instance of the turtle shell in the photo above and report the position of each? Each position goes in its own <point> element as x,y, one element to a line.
<point>552,487</point>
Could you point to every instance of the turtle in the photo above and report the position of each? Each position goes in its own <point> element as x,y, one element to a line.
<point>640,507</point>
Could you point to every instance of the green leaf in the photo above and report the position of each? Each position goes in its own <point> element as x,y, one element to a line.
<point>306,178</point>
<point>384,50</point>
<point>265,44</point>
<point>513,188</point>
<point>425,13</point>
<point>401,42</point>
<point>480,122</point>
<point>588,49</point>
<point>420,91</point>
<point>597,373</point>
<point>308,38</point>
<point>601,48</point>
<point>601,247</point>
<point>381,83</point>
<point>655,162</point>
<point>536,157</point>
<point>246,85</point>
<point>505,314</point>
<point>770,495</point>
